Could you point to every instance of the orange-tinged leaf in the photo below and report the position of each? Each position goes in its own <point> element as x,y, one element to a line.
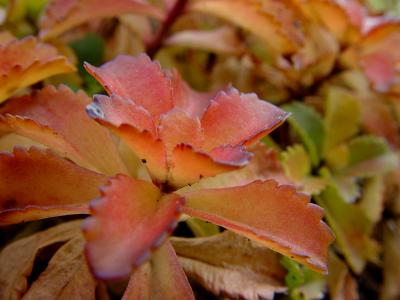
<point>228,42</point>
<point>376,53</point>
<point>17,259</point>
<point>188,100</point>
<point>66,277</point>
<point>26,62</point>
<point>189,165</point>
<point>276,216</point>
<point>269,20</point>
<point>151,151</point>
<point>138,79</point>
<point>56,118</point>
<point>161,279</point>
<point>341,18</point>
<point>264,164</point>
<point>177,127</point>
<point>128,211</point>
<point>38,184</point>
<point>233,118</point>
<point>62,15</point>
<point>207,131</point>
<point>118,111</point>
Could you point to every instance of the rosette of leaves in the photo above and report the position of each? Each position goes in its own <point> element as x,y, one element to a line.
<point>181,138</point>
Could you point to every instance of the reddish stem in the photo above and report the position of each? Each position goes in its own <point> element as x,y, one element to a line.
<point>173,14</point>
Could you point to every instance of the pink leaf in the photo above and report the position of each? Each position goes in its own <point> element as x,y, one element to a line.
<point>129,220</point>
<point>276,216</point>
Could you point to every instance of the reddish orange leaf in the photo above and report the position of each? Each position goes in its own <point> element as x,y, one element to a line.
<point>151,151</point>
<point>177,127</point>
<point>38,184</point>
<point>191,102</point>
<point>128,211</point>
<point>276,216</point>
<point>206,131</point>
<point>233,118</point>
<point>28,61</point>
<point>57,119</point>
<point>163,278</point>
<point>118,111</point>
<point>188,165</point>
<point>135,78</point>
<point>62,15</point>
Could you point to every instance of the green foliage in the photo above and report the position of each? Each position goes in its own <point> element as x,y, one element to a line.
<point>307,123</point>
<point>89,48</point>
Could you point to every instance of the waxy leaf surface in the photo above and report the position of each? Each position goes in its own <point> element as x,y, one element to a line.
<point>232,118</point>
<point>172,126</point>
<point>129,220</point>
<point>305,237</point>
<point>38,184</point>
<point>56,118</point>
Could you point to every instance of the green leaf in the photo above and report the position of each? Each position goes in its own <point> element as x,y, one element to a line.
<point>297,166</point>
<point>373,197</point>
<point>295,276</point>
<point>35,7</point>
<point>308,124</point>
<point>202,228</point>
<point>342,118</point>
<point>379,165</point>
<point>89,49</point>
<point>296,163</point>
<point>366,147</point>
<point>302,282</point>
<point>351,227</point>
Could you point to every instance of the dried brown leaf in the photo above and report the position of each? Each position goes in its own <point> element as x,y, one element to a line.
<point>232,265</point>
<point>17,259</point>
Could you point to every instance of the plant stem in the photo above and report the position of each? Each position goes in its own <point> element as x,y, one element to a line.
<point>173,14</point>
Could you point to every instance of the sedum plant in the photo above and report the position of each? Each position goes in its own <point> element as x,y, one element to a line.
<point>177,171</point>
<point>181,137</point>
